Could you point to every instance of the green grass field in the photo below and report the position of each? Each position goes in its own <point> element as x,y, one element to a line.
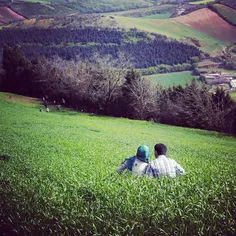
<point>201,2</point>
<point>233,95</point>
<point>59,177</point>
<point>227,12</point>
<point>170,79</point>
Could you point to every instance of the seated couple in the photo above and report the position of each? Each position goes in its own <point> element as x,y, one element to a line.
<point>161,166</point>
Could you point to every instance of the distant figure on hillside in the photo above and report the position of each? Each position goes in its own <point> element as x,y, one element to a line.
<point>58,107</point>
<point>136,164</point>
<point>45,102</point>
<point>162,165</point>
<point>47,109</point>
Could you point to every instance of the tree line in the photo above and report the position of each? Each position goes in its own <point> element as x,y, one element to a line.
<point>60,35</point>
<point>84,43</point>
<point>107,89</point>
<point>230,3</point>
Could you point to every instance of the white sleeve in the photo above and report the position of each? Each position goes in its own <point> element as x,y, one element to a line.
<point>178,169</point>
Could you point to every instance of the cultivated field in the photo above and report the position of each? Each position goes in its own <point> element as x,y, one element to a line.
<point>208,22</point>
<point>7,15</point>
<point>170,79</point>
<point>174,29</point>
<point>58,176</point>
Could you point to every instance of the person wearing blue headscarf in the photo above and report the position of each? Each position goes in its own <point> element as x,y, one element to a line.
<point>136,164</point>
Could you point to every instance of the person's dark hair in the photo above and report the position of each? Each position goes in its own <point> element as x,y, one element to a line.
<point>161,148</point>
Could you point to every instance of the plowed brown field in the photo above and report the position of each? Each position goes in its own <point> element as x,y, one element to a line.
<point>7,15</point>
<point>208,22</point>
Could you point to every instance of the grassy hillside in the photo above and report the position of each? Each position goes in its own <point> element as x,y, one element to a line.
<point>174,29</point>
<point>7,15</point>
<point>171,79</point>
<point>226,12</point>
<point>58,176</point>
<point>142,12</point>
<point>33,8</point>
<point>208,22</point>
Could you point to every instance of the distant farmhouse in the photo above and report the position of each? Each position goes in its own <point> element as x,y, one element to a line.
<point>218,78</point>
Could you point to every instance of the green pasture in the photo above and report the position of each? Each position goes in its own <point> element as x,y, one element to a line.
<point>227,12</point>
<point>233,95</point>
<point>146,11</point>
<point>170,79</point>
<point>201,2</point>
<point>58,176</point>
<point>173,29</point>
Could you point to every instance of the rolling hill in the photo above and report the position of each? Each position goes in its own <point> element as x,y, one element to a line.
<point>201,28</point>
<point>174,29</point>
<point>212,32</point>
<point>227,13</point>
<point>58,176</point>
<point>31,8</point>
<point>208,22</point>
<point>7,15</point>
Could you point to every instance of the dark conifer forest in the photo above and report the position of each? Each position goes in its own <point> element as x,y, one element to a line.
<point>144,51</point>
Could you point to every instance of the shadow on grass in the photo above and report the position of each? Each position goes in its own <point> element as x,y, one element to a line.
<point>5,157</point>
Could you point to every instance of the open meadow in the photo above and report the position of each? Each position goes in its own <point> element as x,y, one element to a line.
<point>58,176</point>
<point>170,79</point>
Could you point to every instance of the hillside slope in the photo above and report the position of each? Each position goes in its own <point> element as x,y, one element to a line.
<point>174,29</point>
<point>7,15</point>
<point>208,22</point>
<point>58,176</point>
<point>227,13</point>
<point>31,8</point>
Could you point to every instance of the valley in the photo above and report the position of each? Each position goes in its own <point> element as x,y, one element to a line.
<point>210,29</point>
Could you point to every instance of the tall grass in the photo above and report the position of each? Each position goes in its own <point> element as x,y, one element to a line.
<point>58,176</point>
